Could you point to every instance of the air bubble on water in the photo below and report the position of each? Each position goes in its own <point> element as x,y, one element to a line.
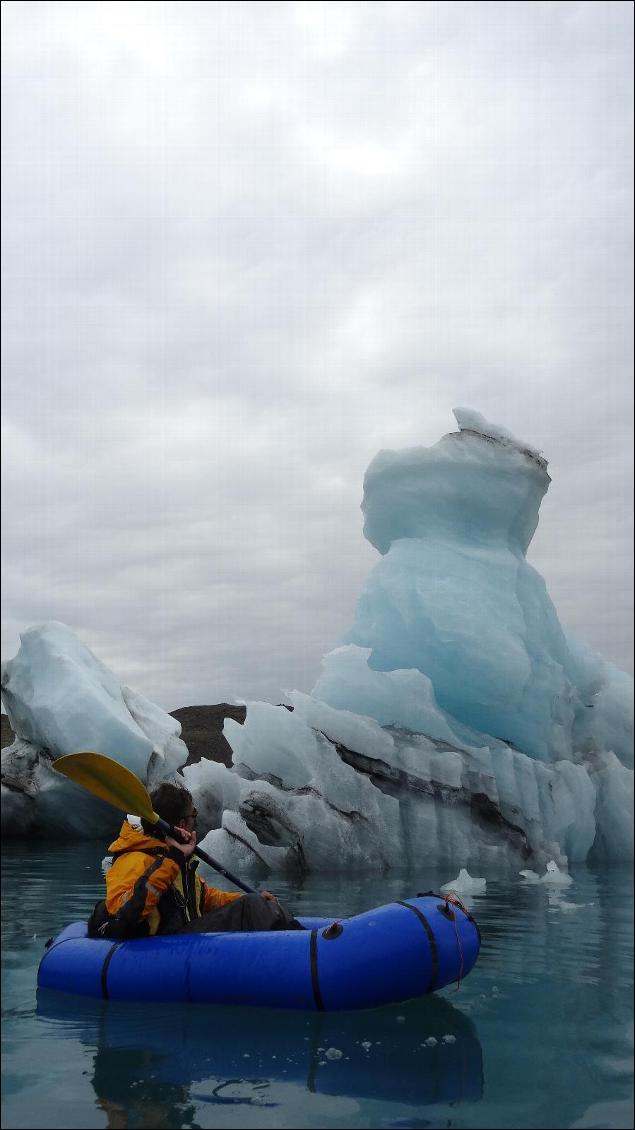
<point>334,1053</point>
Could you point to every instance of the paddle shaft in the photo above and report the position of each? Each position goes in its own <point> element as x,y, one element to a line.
<point>175,833</point>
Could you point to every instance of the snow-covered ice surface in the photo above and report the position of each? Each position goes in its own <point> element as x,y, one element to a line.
<point>456,721</point>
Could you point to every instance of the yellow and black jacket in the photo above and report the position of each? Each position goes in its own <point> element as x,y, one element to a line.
<point>151,889</point>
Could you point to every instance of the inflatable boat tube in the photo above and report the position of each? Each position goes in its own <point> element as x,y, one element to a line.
<point>390,954</point>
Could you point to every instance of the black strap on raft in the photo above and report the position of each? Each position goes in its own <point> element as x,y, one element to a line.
<point>434,953</point>
<point>453,898</point>
<point>329,933</point>
<point>104,970</point>
<point>433,894</point>
<point>315,981</point>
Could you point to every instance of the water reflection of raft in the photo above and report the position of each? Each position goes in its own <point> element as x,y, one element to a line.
<point>390,954</point>
<point>423,1051</point>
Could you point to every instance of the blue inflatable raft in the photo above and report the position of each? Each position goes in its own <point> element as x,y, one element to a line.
<point>390,954</point>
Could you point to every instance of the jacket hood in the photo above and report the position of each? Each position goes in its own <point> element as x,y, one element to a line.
<point>130,837</point>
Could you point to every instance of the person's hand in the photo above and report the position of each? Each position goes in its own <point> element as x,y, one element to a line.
<point>188,844</point>
<point>268,897</point>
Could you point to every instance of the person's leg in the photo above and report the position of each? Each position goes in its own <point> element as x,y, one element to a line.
<point>251,912</point>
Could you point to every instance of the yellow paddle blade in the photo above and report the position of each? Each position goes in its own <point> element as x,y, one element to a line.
<point>106,778</point>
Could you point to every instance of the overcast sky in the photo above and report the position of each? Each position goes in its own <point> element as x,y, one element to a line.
<point>248,245</point>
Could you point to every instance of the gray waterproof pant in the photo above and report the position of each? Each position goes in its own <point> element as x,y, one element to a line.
<point>251,912</point>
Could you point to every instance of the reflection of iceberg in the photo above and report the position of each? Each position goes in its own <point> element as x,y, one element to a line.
<point>211,1048</point>
<point>457,721</point>
<point>557,985</point>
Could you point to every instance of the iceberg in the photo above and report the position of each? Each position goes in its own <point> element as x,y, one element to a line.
<point>455,721</point>
<point>553,876</point>
<point>454,598</point>
<point>60,698</point>
<point>465,884</point>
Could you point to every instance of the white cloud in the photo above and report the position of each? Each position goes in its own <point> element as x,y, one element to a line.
<point>248,245</point>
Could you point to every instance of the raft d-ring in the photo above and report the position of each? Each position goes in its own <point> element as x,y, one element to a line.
<point>333,931</point>
<point>445,910</point>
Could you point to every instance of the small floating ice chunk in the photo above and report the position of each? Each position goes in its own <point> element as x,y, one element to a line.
<point>465,882</point>
<point>555,876</point>
<point>333,1053</point>
<point>366,1044</point>
<point>401,1020</point>
<point>431,1042</point>
<point>448,1039</point>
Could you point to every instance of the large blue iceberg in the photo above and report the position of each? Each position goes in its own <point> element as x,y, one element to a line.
<point>455,599</point>
<point>456,721</point>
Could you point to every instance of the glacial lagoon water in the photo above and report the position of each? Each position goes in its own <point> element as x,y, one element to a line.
<point>539,1035</point>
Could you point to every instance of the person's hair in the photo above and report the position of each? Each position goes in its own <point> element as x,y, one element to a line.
<point>171,803</point>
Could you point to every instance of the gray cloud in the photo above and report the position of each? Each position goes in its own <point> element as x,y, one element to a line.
<point>248,245</point>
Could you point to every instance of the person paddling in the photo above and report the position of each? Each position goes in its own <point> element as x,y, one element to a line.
<point>152,886</point>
